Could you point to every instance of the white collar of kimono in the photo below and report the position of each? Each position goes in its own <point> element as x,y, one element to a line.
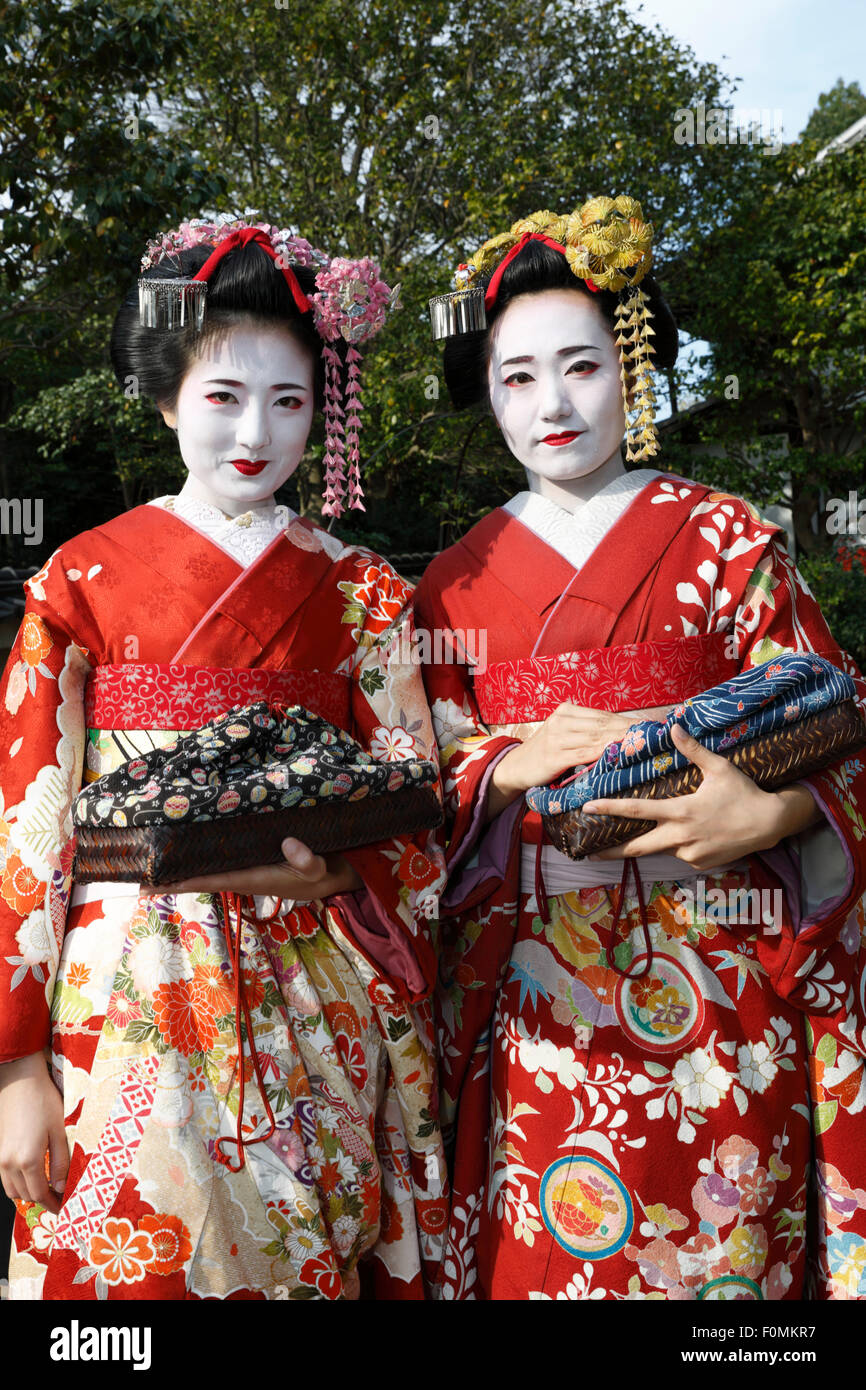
<point>243,537</point>
<point>574,535</point>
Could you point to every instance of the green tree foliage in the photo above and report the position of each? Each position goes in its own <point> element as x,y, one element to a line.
<point>91,169</point>
<point>409,132</point>
<point>835,111</point>
<point>837,577</point>
<point>124,434</point>
<point>412,132</point>
<point>777,290</point>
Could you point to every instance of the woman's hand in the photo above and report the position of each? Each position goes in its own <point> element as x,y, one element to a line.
<point>570,737</point>
<point>302,878</point>
<point>31,1124</point>
<point>727,817</point>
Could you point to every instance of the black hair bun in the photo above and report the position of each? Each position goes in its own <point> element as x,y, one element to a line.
<point>246,283</point>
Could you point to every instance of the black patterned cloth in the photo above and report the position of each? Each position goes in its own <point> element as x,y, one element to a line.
<point>251,759</point>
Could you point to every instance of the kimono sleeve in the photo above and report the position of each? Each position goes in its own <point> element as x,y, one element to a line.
<point>478,854</point>
<point>479,908</point>
<point>392,919</point>
<point>42,744</point>
<point>403,877</point>
<point>812,955</point>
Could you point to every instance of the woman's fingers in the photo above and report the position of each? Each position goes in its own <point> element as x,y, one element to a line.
<point>31,1126</point>
<point>36,1186</point>
<point>10,1182</point>
<point>287,878</point>
<point>303,860</point>
<point>636,808</point>
<point>29,1180</point>
<point>696,752</point>
<point>58,1158</point>
<point>266,880</point>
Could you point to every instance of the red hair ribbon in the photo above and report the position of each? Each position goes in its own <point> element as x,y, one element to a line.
<point>493,287</point>
<point>241,238</point>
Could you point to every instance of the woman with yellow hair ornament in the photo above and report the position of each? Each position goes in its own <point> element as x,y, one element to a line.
<point>629,1035</point>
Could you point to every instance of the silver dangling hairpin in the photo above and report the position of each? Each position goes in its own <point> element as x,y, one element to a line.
<point>461,311</point>
<point>175,303</point>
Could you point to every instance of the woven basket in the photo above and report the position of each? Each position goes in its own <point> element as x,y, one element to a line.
<point>772,760</point>
<point>167,853</point>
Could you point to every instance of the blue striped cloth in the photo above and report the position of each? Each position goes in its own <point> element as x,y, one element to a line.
<point>783,691</point>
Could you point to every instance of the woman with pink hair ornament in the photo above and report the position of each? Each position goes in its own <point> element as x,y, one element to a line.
<point>238,1104</point>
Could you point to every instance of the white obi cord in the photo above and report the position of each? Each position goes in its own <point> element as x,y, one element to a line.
<point>823,869</point>
<point>564,875</point>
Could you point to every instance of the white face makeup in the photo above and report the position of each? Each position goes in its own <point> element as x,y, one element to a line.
<point>555,391</point>
<point>243,415</point>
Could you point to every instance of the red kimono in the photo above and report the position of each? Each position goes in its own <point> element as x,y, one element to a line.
<point>132,630</point>
<point>640,1114</point>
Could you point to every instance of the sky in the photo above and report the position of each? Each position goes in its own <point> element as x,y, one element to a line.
<point>785,51</point>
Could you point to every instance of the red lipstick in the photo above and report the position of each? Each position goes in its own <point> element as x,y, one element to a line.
<point>562,438</point>
<point>249,467</point>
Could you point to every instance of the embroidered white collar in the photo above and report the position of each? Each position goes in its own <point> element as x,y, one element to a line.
<point>243,537</point>
<point>575,535</point>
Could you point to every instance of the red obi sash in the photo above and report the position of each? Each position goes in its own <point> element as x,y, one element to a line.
<point>159,695</point>
<point>633,676</point>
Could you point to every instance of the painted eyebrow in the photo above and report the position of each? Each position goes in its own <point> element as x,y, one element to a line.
<point>563,352</point>
<point>281,386</point>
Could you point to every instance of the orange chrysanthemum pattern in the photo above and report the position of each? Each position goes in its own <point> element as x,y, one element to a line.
<point>213,989</point>
<point>184,1018</point>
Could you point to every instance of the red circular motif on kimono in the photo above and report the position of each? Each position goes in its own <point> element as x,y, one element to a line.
<point>431,1215</point>
<point>663,1010</point>
<point>416,869</point>
<point>390,1220</point>
<point>586,1207</point>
